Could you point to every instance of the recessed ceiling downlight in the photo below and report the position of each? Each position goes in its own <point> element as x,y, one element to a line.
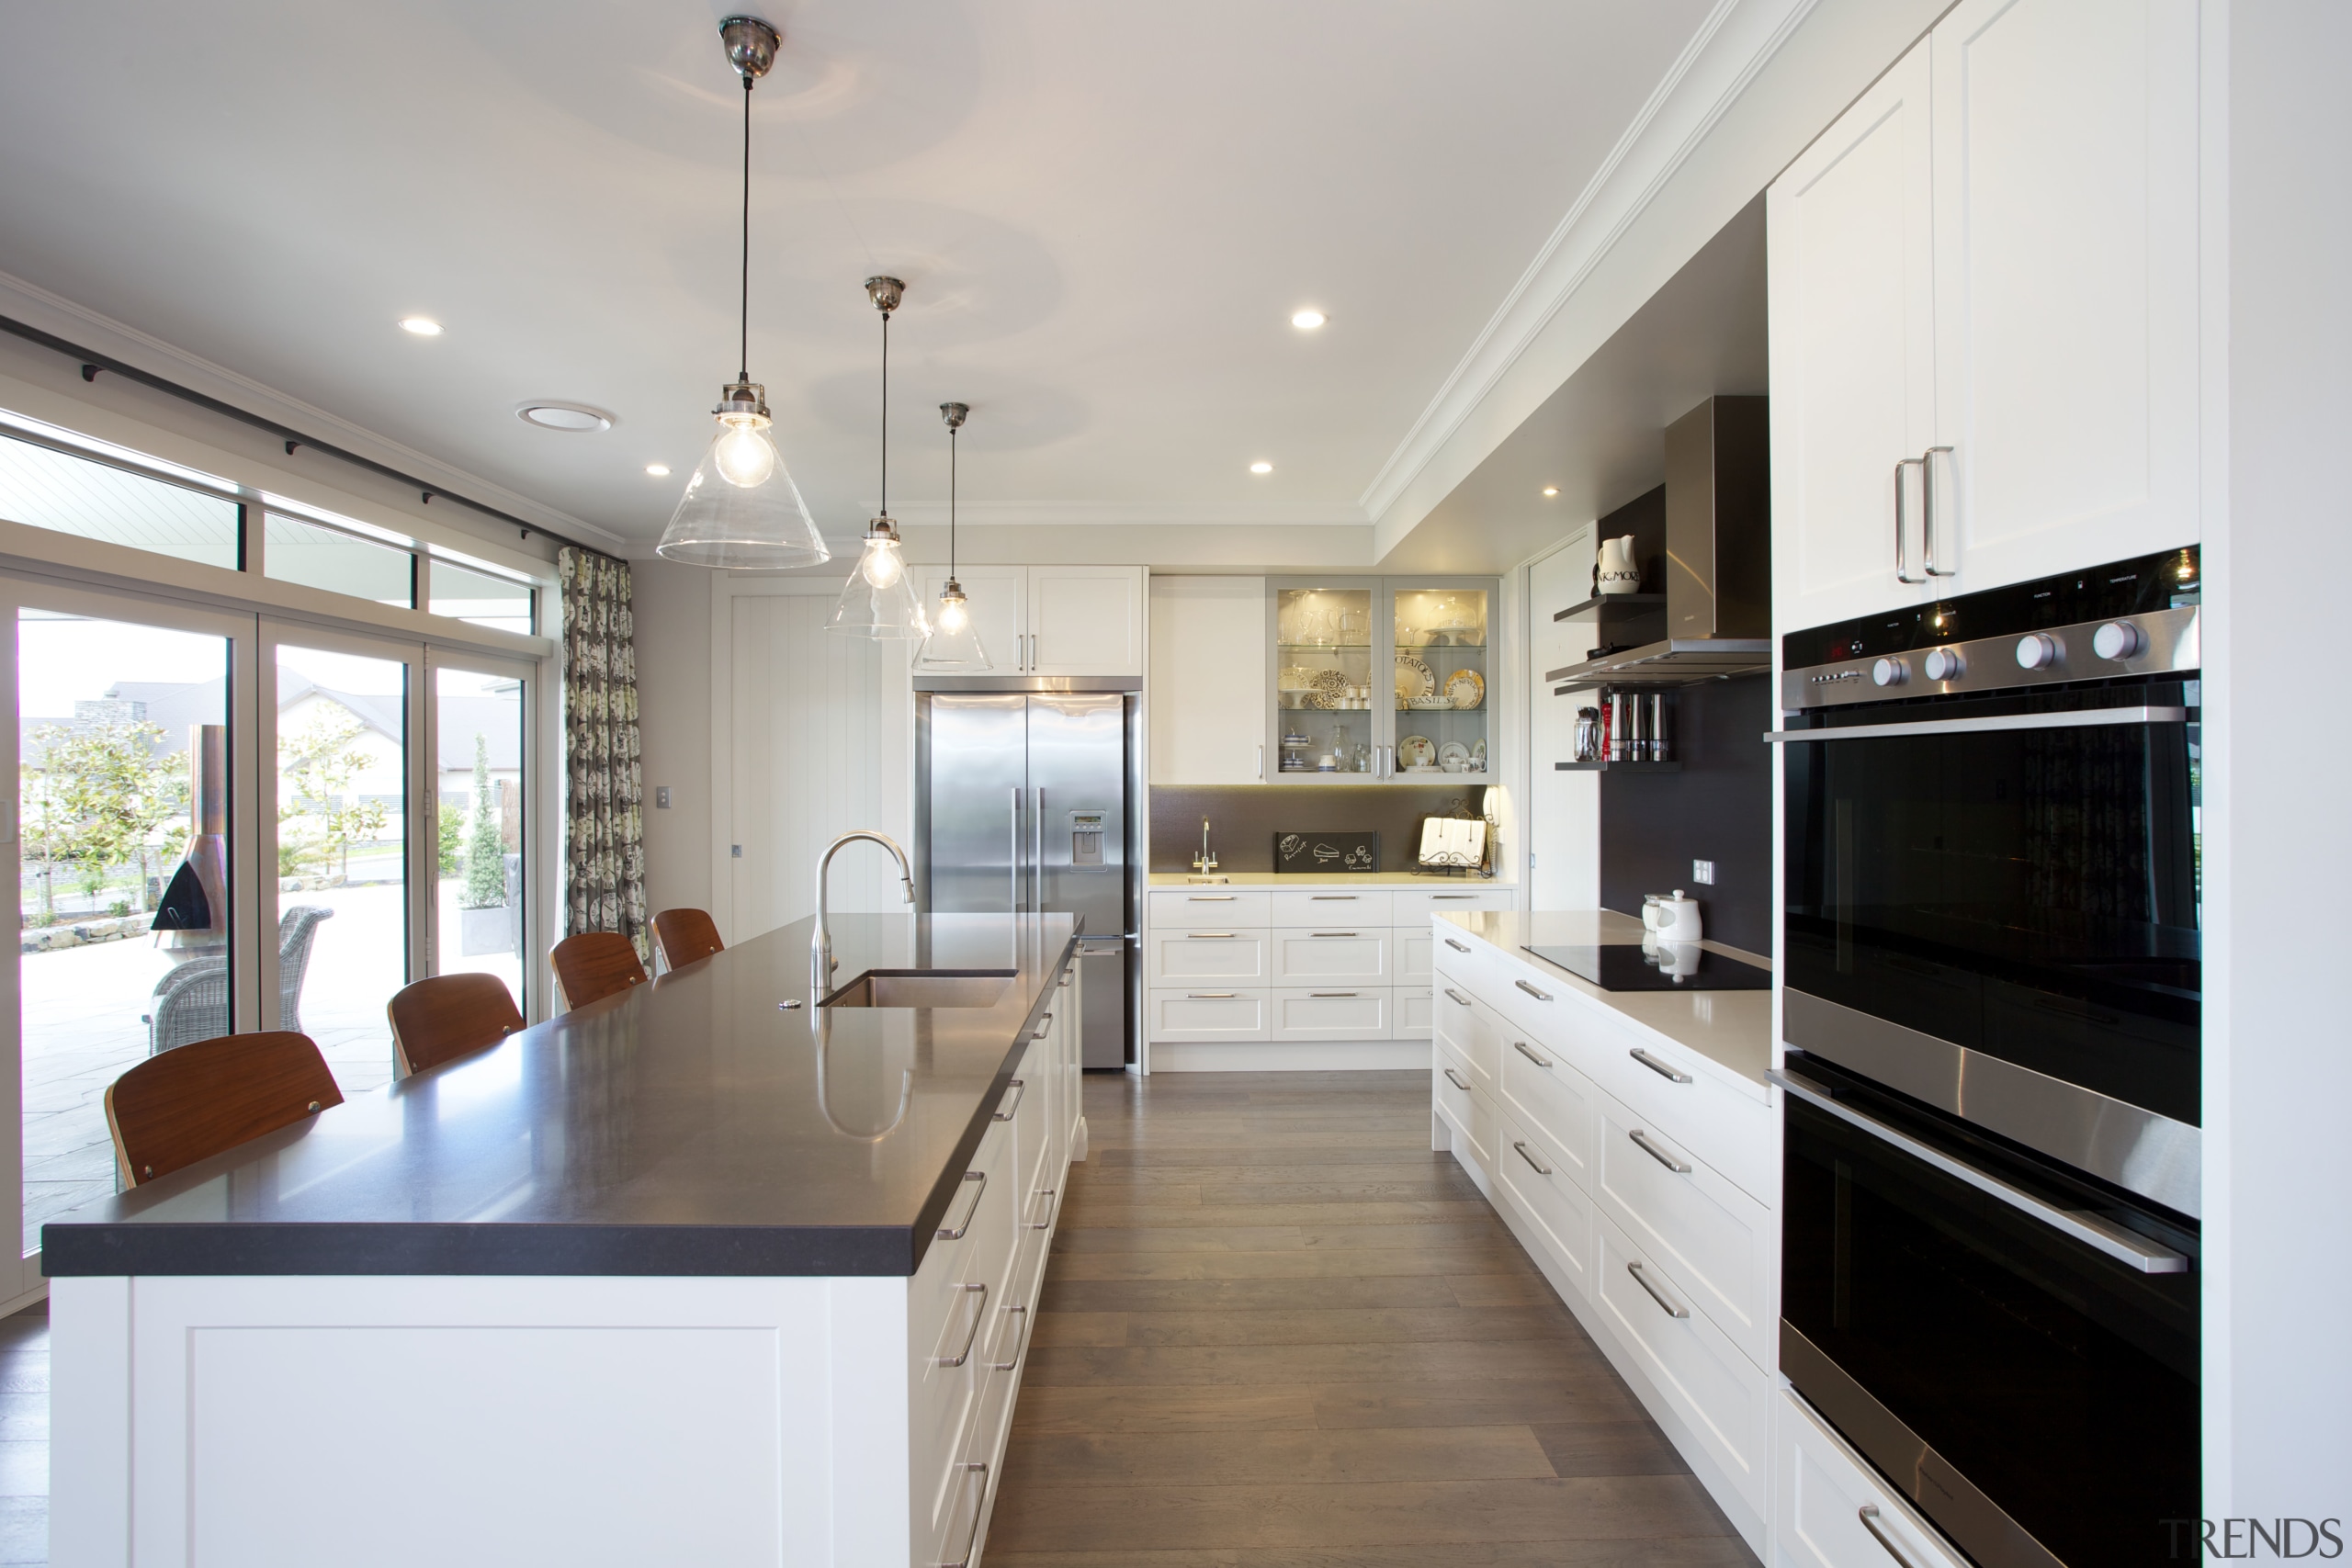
<point>1307,320</point>
<point>659,471</point>
<point>1261,467</point>
<point>422,326</point>
<point>577,418</point>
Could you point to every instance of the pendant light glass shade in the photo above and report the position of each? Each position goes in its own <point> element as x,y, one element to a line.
<point>880,598</point>
<point>741,511</point>
<point>954,646</point>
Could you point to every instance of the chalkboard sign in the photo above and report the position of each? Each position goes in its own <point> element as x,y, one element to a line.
<point>1327,854</point>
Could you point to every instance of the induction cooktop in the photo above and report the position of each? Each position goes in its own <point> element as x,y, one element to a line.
<point>1628,967</point>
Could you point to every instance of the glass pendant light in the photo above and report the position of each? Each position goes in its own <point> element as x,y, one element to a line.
<point>878,601</point>
<point>741,511</point>
<point>953,644</point>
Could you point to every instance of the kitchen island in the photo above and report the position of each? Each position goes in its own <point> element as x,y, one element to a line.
<point>701,1273</point>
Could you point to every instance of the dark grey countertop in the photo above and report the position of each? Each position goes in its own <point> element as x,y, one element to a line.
<point>690,1127</point>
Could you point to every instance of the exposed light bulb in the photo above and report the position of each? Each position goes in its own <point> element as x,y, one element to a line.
<point>743,456</point>
<point>883,565</point>
<point>952,617</point>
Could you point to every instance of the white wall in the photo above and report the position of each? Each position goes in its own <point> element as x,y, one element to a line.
<point>672,605</point>
<point>1564,820</point>
<point>2279,838</point>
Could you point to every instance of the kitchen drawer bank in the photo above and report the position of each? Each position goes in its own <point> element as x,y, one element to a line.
<point>681,1276</point>
<point>1631,1142</point>
<point>1295,973</point>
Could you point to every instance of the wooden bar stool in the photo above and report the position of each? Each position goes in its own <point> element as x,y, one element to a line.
<point>196,1099</point>
<point>449,1016</point>
<point>682,936</point>
<point>594,965</point>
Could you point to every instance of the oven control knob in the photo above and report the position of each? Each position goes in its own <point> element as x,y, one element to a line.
<point>2037,651</point>
<point>1945,664</point>
<point>2117,639</point>
<point>1890,672</point>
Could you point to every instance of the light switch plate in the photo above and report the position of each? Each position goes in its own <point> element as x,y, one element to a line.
<point>1703,871</point>
<point>661,797</point>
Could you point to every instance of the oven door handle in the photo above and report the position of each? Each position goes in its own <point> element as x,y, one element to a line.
<point>2125,1246</point>
<point>2084,720</point>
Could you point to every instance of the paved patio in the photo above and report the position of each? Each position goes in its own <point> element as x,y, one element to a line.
<point>82,1030</point>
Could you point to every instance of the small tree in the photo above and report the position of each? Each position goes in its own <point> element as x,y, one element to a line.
<point>322,762</point>
<point>95,796</point>
<point>485,855</point>
<point>451,844</point>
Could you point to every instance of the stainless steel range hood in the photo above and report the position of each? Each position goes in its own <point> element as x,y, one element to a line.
<point>1716,620</point>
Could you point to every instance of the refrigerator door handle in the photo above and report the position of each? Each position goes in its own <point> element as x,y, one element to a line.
<point>1038,866</point>
<point>1013,855</point>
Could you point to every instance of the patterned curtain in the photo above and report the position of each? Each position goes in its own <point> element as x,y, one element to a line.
<point>604,867</point>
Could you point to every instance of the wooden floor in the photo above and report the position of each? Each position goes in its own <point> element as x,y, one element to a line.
<point>1278,1331</point>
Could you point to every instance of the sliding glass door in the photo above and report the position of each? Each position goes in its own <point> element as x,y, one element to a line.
<point>132,861</point>
<point>482,718</point>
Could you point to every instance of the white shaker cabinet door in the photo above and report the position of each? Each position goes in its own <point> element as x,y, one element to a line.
<point>2067,246</point>
<point>1086,620</point>
<point>1851,311</point>
<point>1208,680</point>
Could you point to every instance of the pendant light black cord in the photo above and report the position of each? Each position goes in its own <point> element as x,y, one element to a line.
<point>744,373</point>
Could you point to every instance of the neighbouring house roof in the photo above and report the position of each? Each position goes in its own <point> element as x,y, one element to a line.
<point>175,707</point>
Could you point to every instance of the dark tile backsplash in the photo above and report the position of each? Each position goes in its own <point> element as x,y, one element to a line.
<point>1719,808</point>
<point>1244,818</point>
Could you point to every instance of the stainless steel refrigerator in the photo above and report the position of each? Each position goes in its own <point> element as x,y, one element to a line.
<point>1025,800</point>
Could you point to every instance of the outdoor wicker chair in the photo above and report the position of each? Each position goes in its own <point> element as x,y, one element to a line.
<point>191,1002</point>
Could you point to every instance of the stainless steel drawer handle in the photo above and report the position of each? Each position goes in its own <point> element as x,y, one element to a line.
<point>1539,996</point>
<point>1662,1069</point>
<point>1455,1079</point>
<point>1540,1169</point>
<point>979,1182</point>
<point>1044,1027</point>
<point>1052,1210</point>
<point>1210,995</point>
<point>1208,936</point>
<point>1021,1092</point>
<point>1656,1294</point>
<point>1456,996</point>
<point>1335,933</point>
<point>1642,1142</point>
<point>1329,994</point>
<point>1021,1345</point>
<point>1331,898</point>
<point>979,1313</point>
<point>1210,897</point>
<point>1868,1514</point>
<point>1458,947</point>
<point>1520,1046</point>
<point>1453,895</point>
<point>980,1507</point>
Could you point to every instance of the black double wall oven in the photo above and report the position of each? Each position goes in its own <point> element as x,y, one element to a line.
<point>1990,948</point>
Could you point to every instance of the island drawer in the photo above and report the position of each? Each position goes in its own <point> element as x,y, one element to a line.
<point>1210,1013</point>
<point>1310,956</point>
<point>952,1302</point>
<point>1218,906</point>
<point>1456,955</point>
<point>1328,906</point>
<point>1716,1239</point>
<point>1415,908</point>
<point>1470,1029</point>
<point>1220,955</point>
<point>1536,1172</point>
<point>1667,1086</point>
<point>1470,1113</point>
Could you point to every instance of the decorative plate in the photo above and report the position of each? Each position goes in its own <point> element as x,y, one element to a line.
<point>1430,705</point>
<point>1453,751</point>
<point>1413,678</point>
<point>1296,678</point>
<point>1330,682</point>
<point>1415,752</point>
<point>1466,687</point>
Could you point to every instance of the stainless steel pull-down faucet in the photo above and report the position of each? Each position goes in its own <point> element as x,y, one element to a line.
<point>821,944</point>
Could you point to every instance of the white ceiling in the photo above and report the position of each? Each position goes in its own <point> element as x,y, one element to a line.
<point>1104,213</point>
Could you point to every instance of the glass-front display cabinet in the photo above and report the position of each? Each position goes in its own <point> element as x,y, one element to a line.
<point>1379,680</point>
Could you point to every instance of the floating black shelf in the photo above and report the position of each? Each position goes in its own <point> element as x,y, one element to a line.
<point>1614,601</point>
<point>1605,767</point>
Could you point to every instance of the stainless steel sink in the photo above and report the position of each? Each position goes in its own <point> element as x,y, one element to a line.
<point>923,989</point>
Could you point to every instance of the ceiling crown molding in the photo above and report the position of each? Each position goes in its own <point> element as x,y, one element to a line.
<point>1735,42</point>
<point>985,513</point>
<point>53,313</point>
